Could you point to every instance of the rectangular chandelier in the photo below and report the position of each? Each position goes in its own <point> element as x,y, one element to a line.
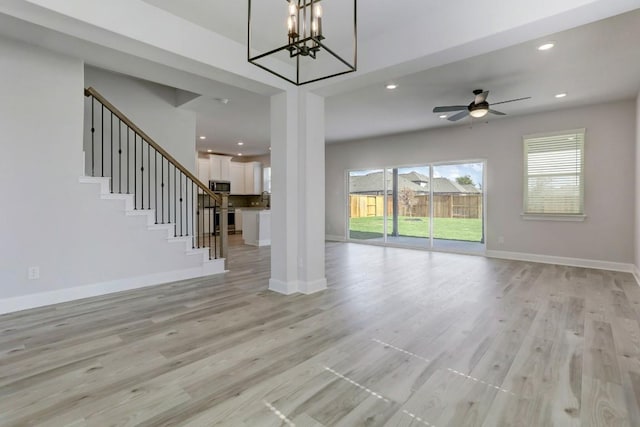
<point>303,41</point>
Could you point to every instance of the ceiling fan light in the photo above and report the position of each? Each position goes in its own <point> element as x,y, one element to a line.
<point>479,112</point>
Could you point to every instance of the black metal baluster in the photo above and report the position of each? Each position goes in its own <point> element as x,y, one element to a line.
<point>141,172</point>
<point>212,227</point>
<point>128,155</point>
<point>186,206</point>
<point>93,134</point>
<point>149,174</point>
<point>193,217</point>
<point>119,156</point>
<point>175,201</point>
<point>102,142</point>
<point>111,157</point>
<point>169,190</point>
<point>199,230</point>
<point>135,173</point>
<point>181,216</point>
<point>155,182</point>
<point>213,219</point>
<point>162,186</point>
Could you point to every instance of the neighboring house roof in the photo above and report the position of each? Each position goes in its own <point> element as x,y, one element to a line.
<point>471,188</point>
<point>373,183</point>
<point>415,177</point>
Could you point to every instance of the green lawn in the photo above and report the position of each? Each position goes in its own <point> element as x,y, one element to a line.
<point>444,228</point>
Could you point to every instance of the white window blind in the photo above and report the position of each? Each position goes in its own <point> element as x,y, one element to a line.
<point>554,173</point>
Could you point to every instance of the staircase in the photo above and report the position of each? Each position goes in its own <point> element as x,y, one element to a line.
<point>130,168</point>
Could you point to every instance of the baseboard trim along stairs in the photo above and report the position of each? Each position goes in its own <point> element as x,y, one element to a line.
<point>205,266</point>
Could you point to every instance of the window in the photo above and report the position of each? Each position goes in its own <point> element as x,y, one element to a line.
<point>266,179</point>
<point>554,174</point>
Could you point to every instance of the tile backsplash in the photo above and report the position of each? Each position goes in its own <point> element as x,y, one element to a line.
<point>239,201</point>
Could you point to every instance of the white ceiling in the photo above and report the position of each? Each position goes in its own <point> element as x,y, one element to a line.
<point>462,45</point>
<point>596,62</point>
<point>593,63</point>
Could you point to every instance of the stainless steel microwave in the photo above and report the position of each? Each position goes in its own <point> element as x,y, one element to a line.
<point>220,186</point>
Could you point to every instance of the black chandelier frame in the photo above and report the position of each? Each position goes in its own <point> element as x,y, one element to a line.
<point>298,47</point>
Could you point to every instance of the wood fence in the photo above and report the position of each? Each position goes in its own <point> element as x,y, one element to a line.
<point>444,206</point>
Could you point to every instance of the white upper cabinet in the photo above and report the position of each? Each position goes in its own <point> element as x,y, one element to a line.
<point>253,178</point>
<point>237,178</point>
<point>219,167</point>
<point>204,171</point>
<point>246,178</point>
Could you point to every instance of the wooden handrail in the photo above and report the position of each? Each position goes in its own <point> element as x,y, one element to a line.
<point>92,92</point>
<point>222,199</point>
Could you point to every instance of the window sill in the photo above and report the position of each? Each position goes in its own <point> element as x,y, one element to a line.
<point>552,217</point>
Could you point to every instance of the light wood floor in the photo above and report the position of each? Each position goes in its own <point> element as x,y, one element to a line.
<point>400,338</point>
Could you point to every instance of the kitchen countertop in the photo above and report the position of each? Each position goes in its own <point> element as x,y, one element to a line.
<point>252,208</point>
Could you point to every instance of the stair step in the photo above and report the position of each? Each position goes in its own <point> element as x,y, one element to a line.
<point>103,181</point>
<point>128,199</point>
<point>213,266</point>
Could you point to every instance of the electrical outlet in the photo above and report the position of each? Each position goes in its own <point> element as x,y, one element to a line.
<point>33,273</point>
<point>501,239</point>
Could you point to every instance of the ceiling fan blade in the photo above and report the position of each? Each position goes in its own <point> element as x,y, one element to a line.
<point>481,97</point>
<point>460,115</point>
<point>449,108</point>
<point>499,113</point>
<point>511,100</point>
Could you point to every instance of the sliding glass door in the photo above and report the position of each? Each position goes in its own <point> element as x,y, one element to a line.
<point>458,198</point>
<point>366,205</point>
<point>428,206</point>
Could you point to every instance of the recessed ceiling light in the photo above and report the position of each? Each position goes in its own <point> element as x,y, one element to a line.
<point>203,137</point>
<point>392,86</point>
<point>443,116</point>
<point>546,46</point>
<point>561,95</point>
<point>240,154</point>
<point>240,143</point>
<point>209,151</point>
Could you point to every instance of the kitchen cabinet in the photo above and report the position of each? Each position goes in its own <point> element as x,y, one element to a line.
<point>207,221</point>
<point>204,171</point>
<point>213,167</point>
<point>238,220</point>
<point>219,167</point>
<point>246,178</point>
<point>253,178</point>
<point>237,176</point>
<point>256,227</point>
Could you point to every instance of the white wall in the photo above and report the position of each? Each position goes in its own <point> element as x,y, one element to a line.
<point>47,218</point>
<point>152,108</point>
<point>609,178</point>
<point>637,182</point>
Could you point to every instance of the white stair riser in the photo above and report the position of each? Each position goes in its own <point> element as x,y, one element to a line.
<point>213,266</point>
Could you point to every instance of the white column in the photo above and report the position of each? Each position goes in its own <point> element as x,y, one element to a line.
<point>297,200</point>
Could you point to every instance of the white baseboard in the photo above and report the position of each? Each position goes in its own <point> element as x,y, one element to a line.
<point>334,238</point>
<point>312,286</point>
<point>24,302</point>
<point>636,274</point>
<point>281,287</point>
<point>297,286</point>
<point>572,262</point>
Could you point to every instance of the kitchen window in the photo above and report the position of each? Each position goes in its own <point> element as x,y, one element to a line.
<point>554,176</point>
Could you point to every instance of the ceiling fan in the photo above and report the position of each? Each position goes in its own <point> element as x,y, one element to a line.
<point>477,109</point>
